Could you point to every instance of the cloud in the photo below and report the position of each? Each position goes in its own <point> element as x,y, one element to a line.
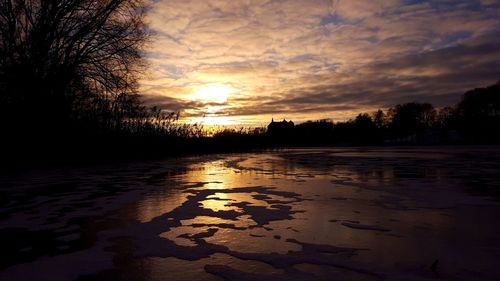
<point>308,59</point>
<point>362,9</point>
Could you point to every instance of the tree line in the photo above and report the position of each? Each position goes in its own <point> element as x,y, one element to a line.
<point>475,119</point>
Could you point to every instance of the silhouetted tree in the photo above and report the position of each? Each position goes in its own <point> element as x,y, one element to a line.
<point>56,56</point>
<point>379,119</point>
<point>411,118</point>
<point>365,130</point>
<point>481,103</point>
<point>446,117</point>
<point>314,132</point>
<point>364,121</point>
<point>479,114</point>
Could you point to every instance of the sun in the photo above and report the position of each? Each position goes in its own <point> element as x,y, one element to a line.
<point>215,93</point>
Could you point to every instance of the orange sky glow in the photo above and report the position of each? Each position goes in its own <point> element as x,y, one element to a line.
<point>243,62</point>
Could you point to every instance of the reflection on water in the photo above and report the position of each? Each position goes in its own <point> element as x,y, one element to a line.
<point>303,214</point>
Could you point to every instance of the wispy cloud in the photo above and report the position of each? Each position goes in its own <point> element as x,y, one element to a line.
<point>306,59</point>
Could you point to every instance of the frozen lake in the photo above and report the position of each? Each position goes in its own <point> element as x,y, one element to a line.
<point>299,214</point>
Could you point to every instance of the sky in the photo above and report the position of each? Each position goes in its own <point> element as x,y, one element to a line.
<point>247,61</point>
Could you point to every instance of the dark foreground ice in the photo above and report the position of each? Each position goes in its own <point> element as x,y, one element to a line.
<point>301,214</point>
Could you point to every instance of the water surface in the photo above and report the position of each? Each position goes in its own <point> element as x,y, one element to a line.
<point>299,214</point>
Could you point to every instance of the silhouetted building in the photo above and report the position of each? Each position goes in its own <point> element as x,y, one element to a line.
<point>280,130</point>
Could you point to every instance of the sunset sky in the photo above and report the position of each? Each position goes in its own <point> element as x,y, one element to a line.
<point>244,62</point>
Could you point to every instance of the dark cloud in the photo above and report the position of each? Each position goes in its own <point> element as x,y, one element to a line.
<point>439,76</point>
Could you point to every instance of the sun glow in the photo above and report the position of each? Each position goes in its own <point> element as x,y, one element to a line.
<point>216,121</point>
<point>215,93</point>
